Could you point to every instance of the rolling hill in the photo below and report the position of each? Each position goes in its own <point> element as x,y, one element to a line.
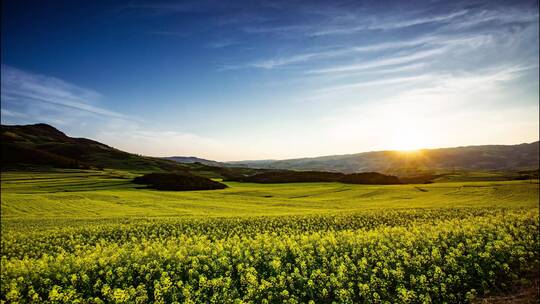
<point>43,145</point>
<point>480,158</point>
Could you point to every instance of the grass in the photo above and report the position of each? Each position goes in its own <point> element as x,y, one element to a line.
<point>104,194</point>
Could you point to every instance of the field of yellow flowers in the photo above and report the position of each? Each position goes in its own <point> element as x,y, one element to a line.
<point>378,255</point>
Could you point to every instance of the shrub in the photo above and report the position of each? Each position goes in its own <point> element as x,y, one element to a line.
<point>177,182</point>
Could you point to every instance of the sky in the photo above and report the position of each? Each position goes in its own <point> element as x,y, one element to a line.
<point>237,80</point>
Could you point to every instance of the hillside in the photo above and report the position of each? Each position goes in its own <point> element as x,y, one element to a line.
<point>43,145</point>
<point>26,147</point>
<point>489,157</point>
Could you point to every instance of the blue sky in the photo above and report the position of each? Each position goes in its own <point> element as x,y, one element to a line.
<point>265,79</point>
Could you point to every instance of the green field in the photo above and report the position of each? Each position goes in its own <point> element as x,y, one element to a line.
<point>93,236</point>
<point>69,194</point>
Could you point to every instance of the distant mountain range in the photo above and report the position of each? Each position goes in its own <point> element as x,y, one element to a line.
<point>470,158</point>
<point>488,157</point>
<point>43,145</point>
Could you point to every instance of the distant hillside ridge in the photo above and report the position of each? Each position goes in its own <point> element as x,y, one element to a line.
<point>488,157</point>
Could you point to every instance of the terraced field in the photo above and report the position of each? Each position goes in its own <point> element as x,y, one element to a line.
<point>94,237</point>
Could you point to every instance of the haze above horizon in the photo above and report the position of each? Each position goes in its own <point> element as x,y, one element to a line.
<point>274,80</point>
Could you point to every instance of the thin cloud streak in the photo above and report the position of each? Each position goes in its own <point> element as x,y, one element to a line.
<point>386,81</point>
<point>389,25</point>
<point>392,70</point>
<point>380,62</point>
<point>405,68</point>
<point>486,16</point>
<point>272,63</point>
<point>407,23</point>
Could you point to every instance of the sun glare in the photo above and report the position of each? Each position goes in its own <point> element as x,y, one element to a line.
<point>409,141</point>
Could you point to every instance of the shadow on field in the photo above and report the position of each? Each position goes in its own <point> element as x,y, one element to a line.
<point>520,293</point>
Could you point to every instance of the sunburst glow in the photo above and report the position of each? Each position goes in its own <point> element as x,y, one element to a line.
<point>409,141</point>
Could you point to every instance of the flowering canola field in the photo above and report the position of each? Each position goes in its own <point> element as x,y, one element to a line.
<point>345,246</point>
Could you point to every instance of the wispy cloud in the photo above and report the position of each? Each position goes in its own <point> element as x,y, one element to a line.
<point>384,81</point>
<point>507,16</point>
<point>379,62</point>
<point>277,62</point>
<point>439,45</point>
<point>447,88</point>
<point>399,69</point>
<point>273,63</point>
<point>433,40</point>
<point>451,84</point>
<point>402,68</point>
<point>418,21</point>
<point>20,87</point>
<point>388,24</point>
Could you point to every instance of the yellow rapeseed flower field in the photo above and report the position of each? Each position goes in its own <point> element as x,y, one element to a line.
<point>93,237</point>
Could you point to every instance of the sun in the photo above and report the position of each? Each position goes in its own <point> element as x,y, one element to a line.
<point>407,146</point>
<point>409,141</point>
